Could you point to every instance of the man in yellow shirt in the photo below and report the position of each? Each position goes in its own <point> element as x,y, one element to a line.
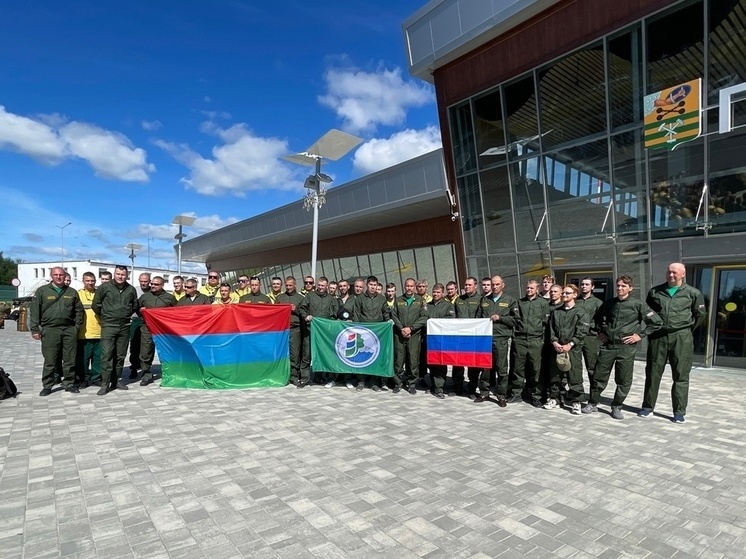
<point>243,286</point>
<point>178,291</point>
<point>88,357</point>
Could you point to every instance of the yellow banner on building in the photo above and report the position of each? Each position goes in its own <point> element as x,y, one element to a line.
<point>673,116</point>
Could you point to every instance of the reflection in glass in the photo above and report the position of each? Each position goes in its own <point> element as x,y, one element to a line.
<point>472,220</point>
<point>488,121</point>
<point>533,265</point>
<point>628,159</point>
<point>579,191</point>
<point>506,267</point>
<point>674,53</point>
<point>727,188</point>
<point>730,334</point>
<point>625,78</point>
<point>462,136</point>
<point>527,181</point>
<point>727,45</point>
<point>520,113</point>
<point>676,183</point>
<point>573,96</point>
<point>498,218</point>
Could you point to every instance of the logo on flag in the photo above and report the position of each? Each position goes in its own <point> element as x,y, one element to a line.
<point>357,346</point>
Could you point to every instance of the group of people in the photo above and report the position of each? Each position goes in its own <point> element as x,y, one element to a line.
<point>539,342</point>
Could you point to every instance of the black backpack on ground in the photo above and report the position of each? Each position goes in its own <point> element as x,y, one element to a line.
<point>10,387</point>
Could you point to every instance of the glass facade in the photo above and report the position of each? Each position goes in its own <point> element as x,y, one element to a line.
<point>434,264</point>
<point>552,173</point>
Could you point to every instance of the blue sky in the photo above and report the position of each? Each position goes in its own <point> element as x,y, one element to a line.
<point>117,117</point>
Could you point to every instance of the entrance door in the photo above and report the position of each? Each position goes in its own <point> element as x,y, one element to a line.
<point>602,280</point>
<point>730,317</point>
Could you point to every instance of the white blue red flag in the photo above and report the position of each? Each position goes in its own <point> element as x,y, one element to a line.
<point>466,342</point>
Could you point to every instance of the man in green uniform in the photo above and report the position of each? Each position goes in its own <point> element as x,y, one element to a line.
<point>530,315</point>
<point>316,304</point>
<point>56,316</point>
<point>255,294</point>
<point>114,303</point>
<point>192,296</point>
<point>440,307</point>
<point>618,323</point>
<point>682,309</point>
<point>370,306</point>
<point>467,306</point>
<point>143,286</point>
<point>156,298</point>
<point>497,306</point>
<point>409,314</point>
<point>294,299</point>
<point>590,303</point>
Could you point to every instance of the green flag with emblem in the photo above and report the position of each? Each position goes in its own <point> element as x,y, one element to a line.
<point>352,347</point>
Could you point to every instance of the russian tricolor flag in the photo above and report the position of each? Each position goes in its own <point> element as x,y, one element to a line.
<point>466,342</point>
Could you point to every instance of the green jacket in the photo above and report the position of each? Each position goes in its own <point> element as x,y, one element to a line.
<point>591,306</point>
<point>467,306</point>
<point>617,319</point>
<point>409,315</point>
<point>199,299</point>
<point>150,300</point>
<point>569,325</point>
<point>502,328</point>
<point>260,298</point>
<point>318,306</point>
<point>293,298</point>
<point>685,310</point>
<point>530,317</point>
<point>114,304</point>
<point>370,309</point>
<point>442,309</point>
<point>346,306</point>
<point>51,308</point>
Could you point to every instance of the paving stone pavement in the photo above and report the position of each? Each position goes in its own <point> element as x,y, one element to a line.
<point>332,473</point>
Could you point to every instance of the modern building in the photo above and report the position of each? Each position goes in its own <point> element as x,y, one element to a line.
<point>33,275</point>
<point>394,224</point>
<point>542,106</point>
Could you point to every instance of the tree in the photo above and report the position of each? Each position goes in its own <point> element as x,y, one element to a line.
<point>8,269</point>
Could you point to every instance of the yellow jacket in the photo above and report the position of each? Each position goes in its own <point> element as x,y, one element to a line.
<point>91,329</point>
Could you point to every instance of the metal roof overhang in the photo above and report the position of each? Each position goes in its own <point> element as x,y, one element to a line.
<point>406,193</point>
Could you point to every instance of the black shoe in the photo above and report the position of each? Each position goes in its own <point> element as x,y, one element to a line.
<point>396,389</point>
<point>360,386</point>
<point>536,402</point>
<point>122,386</point>
<point>482,398</point>
<point>72,390</point>
<point>133,374</point>
<point>301,385</point>
<point>146,381</point>
<point>45,392</point>
<point>502,401</point>
<point>375,388</point>
<point>440,395</point>
<point>512,398</point>
<point>412,390</point>
<point>102,391</point>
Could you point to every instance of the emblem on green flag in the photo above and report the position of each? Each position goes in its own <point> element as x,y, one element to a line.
<point>349,347</point>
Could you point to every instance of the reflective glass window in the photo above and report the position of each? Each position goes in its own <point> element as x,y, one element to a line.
<point>630,206</point>
<point>520,117</point>
<point>727,188</point>
<point>445,264</point>
<point>675,46</point>
<point>490,132</point>
<point>533,265</point>
<point>462,137</point>
<point>498,218</point>
<point>727,45</point>
<point>579,190</point>
<point>572,93</point>
<point>506,266</point>
<point>625,78</point>
<point>527,182</point>
<point>472,220</point>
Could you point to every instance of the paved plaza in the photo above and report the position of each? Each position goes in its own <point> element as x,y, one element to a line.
<point>333,473</point>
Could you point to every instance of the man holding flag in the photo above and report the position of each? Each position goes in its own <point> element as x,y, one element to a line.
<point>439,308</point>
<point>370,306</point>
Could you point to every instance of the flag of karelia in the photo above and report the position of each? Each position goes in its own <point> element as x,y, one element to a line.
<point>352,347</point>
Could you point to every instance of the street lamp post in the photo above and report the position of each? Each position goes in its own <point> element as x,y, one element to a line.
<point>62,243</point>
<point>181,220</point>
<point>332,145</point>
<point>133,247</point>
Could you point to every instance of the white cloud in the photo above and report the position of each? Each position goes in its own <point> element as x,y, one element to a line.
<point>378,154</point>
<point>365,100</point>
<point>110,154</point>
<point>51,139</point>
<point>30,137</point>
<point>243,162</point>
<point>203,224</point>
<point>151,125</point>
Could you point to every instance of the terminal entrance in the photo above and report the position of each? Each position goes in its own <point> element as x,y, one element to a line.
<point>730,317</point>
<point>602,280</point>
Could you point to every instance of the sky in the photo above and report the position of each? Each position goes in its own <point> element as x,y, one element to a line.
<point>116,117</point>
